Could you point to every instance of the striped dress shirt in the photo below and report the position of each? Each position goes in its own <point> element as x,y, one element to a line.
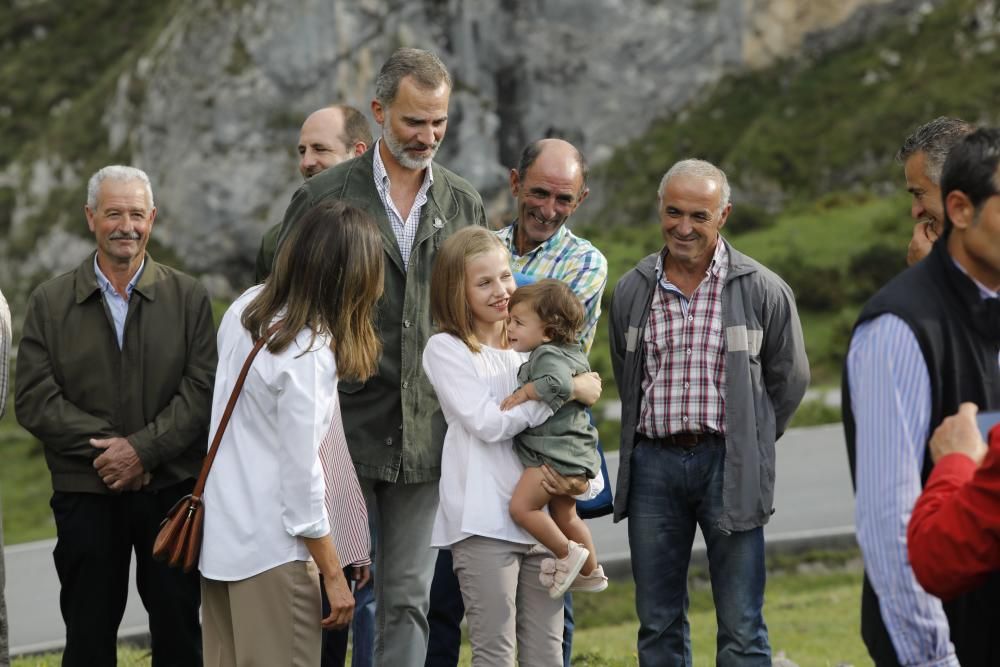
<point>890,391</point>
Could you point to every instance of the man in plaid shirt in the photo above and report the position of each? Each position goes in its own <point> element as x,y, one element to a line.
<point>710,363</point>
<point>550,182</point>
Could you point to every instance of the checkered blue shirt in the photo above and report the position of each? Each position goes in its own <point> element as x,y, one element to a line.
<point>685,379</point>
<point>406,229</point>
<point>568,258</point>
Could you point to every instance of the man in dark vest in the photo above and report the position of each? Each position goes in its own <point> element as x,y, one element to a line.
<point>925,343</point>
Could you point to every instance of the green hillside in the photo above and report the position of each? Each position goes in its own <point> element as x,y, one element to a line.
<point>800,130</point>
<point>809,148</point>
<point>59,63</point>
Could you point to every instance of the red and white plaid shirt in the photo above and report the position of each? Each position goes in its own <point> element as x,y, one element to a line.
<point>685,379</point>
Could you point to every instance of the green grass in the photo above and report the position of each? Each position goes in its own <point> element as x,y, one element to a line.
<point>128,656</point>
<point>811,608</point>
<point>25,485</point>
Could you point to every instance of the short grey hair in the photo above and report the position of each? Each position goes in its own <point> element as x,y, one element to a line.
<point>700,169</point>
<point>935,139</point>
<point>426,69</point>
<point>119,174</point>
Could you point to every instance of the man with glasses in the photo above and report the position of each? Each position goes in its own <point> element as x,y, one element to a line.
<point>924,344</point>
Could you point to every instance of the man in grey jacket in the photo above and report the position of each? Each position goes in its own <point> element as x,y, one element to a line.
<point>710,363</point>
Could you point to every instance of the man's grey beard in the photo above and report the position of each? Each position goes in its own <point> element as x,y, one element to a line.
<point>398,150</point>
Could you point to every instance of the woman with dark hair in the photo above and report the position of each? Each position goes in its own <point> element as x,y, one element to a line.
<point>282,502</point>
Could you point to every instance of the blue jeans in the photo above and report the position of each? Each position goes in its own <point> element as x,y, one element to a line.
<point>363,625</point>
<point>672,489</point>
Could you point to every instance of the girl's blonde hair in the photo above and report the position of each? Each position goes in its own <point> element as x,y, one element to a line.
<point>449,307</point>
<point>327,277</point>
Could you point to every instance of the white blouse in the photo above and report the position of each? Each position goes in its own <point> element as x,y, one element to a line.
<point>479,468</point>
<point>265,490</point>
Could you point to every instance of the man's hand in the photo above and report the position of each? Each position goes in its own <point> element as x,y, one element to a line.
<point>118,466</point>
<point>361,574</point>
<point>921,242</point>
<point>139,482</point>
<point>341,601</point>
<point>959,434</point>
<point>586,388</point>
<point>562,485</point>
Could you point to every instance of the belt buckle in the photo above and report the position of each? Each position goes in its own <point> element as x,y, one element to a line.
<point>685,440</point>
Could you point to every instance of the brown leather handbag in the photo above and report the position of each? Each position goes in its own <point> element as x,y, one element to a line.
<point>179,540</point>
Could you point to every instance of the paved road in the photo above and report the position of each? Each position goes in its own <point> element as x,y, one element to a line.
<point>813,497</point>
<point>813,501</point>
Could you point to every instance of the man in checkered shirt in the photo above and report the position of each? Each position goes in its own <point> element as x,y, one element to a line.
<point>710,363</point>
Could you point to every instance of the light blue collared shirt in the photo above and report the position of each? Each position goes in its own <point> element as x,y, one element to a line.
<point>890,390</point>
<point>117,305</point>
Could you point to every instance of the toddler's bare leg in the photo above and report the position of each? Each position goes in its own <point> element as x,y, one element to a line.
<point>563,511</point>
<point>526,509</point>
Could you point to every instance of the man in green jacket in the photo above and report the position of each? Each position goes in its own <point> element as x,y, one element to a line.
<point>114,376</point>
<point>394,426</point>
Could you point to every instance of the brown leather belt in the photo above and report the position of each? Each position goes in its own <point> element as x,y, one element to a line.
<point>685,440</point>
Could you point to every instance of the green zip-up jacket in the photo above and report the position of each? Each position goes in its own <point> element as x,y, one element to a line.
<point>394,427</point>
<point>72,383</point>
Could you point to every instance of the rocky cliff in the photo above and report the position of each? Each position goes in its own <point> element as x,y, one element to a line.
<point>210,107</point>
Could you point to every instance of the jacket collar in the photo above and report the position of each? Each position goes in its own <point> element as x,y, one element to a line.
<point>85,280</point>
<point>739,264</point>
<point>440,195</point>
<point>983,314</point>
<point>541,248</point>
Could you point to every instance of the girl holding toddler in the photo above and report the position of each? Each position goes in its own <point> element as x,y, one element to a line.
<point>472,367</point>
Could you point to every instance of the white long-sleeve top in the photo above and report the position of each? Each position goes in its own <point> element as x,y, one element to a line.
<point>479,468</point>
<point>265,489</point>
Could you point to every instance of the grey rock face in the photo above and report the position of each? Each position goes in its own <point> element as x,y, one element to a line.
<point>212,111</point>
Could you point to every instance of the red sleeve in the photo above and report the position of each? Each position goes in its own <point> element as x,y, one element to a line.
<point>954,534</point>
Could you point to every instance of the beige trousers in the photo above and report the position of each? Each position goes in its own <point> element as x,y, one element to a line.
<point>506,605</point>
<point>269,620</point>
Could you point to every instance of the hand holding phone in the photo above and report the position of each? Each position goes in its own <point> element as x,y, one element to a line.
<point>986,421</point>
<point>959,434</point>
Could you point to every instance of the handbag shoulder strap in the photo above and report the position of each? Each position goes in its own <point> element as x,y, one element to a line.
<point>206,465</point>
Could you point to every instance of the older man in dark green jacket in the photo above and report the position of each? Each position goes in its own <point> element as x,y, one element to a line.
<point>114,376</point>
<point>395,430</point>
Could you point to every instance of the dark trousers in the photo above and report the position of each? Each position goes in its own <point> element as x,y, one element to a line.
<point>96,536</point>
<point>334,641</point>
